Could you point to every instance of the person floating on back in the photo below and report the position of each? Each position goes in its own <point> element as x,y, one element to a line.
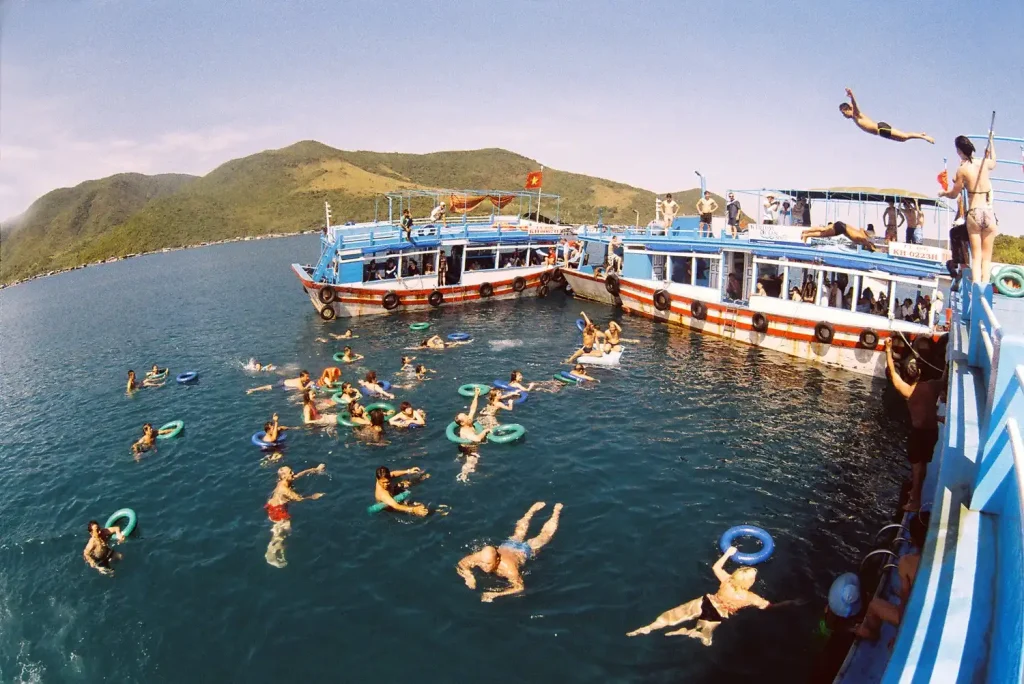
<point>851,111</point>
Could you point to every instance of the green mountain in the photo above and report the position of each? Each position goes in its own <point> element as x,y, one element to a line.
<point>283,191</point>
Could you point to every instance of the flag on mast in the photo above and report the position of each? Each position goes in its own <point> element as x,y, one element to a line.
<point>534,179</point>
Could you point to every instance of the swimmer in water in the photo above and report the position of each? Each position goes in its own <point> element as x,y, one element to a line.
<point>132,385</point>
<point>331,375</point>
<point>98,553</point>
<point>255,365</point>
<point>580,371</point>
<point>386,489</point>
<point>516,382</point>
<point>155,377</point>
<point>407,364</point>
<point>436,342</point>
<point>421,372</point>
<point>374,431</point>
<point>277,510</point>
<point>272,430</point>
<point>467,430</point>
<point>310,414</point>
<point>146,442</point>
<point>349,357</point>
<point>408,416</point>
<point>851,111</point>
<point>589,347</point>
<point>373,387</point>
<point>506,560</point>
<point>347,335</point>
<point>357,415</point>
<point>733,595</point>
<point>300,383</point>
<point>348,394</point>
<point>496,401</point>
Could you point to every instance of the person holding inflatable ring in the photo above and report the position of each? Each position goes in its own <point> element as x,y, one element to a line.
<point>98,553</point>
<point>467,430</point>
<point>407,416</point>
<point>387,488</point>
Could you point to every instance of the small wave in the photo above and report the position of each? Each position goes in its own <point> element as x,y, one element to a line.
<point>505,344</point>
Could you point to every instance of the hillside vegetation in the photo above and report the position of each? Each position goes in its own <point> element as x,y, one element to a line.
<point>282,191</point>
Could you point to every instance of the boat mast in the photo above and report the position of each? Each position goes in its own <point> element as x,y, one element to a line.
<point>327,215</point>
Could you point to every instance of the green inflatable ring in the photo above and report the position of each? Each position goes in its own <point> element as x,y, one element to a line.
<point>469,390</point>
<point>389,409</point>
<point>451,432</point>
<point>380,506</point>
<point>345,418</point>
<point>419,326</point>
<point>123,513</point>
<point>331,387</point>
<point>1014,275</point>
<point>340,357</point>
<point>176,426</point>
<point>564,380</point>
<point>339,398</point>
<point>503,434</point>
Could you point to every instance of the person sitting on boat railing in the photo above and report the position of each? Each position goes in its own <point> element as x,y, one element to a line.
<point>407,224</point>
<point>428,267</point>
<point>373,387</point>
<point>706,208</point>
<point>438,214</point>
<point>851,111</point>
<point>552,257</point>
<point>854,234</point>
<point>590,334</point>
<point>880,610</point>
<point>465,421</point>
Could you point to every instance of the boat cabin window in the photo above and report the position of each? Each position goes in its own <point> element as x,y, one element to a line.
<point>390,266</point>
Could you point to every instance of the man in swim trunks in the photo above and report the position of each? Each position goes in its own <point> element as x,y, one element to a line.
<point>590,334</point>
<point>277,510</point>
<point>922,397</point>
<point>300,383</point>
<point>506,560</point>
<point>98,553</point>
<point>706,207</point>
<point>855,235</point>
<point>709,610</point>
<point>387,489</point>
<point>851,111</point>
<point>465,421</point>
<point>272,430</point>
<point>893,218</point>
<point>669,209</point>
<point>732,213</point>
<point>974,174</point>
<point>407,224</point>
<point>146,442</point>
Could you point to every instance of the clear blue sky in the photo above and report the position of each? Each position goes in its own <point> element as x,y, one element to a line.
<point>638,92</point>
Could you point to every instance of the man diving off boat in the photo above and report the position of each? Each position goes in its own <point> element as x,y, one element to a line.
<point>277,510</point>
<point>851,111</point>
<point>855,235</point>
<point>506,560</point>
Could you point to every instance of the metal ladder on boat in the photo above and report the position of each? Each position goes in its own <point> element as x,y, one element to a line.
<point>729,321</point>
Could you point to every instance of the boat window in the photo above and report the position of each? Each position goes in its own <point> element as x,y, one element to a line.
<point>480,258</point>
<point>769,277</point>
<point>512,257</point>
<point>703,275</point>
<point>682,269</point>
<point>394,265</point>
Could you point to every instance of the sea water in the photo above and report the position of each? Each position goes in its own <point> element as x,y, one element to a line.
<point>690,436</point>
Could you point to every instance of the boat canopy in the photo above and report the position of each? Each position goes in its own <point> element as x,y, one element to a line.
<point>862,194</point>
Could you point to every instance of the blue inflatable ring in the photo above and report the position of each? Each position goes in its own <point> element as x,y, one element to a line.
<point>187,377</point>
<point>580,324</point>
<point>502,385</point>
<point>384,385</point>
<point>459,336</point>
<point>257,439</point>
<point>734,533</point>
<point>123,513</point>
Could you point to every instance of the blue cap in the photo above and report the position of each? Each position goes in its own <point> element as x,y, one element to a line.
<point>844,595</point>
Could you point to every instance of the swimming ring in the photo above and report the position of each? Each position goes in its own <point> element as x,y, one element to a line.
<point>175,426</point>
<point>388,409</point>
<point>257,439</point>
<point>733,533</point>
<point>380,506</point>
<point>384,385</point>
<point>566,378</point>
<point>339,398</point>
<point>452,432</point>
<point>340,358</point>
<point>123,513</point>
<point>580,324</point>
<point>187,377</point>
<point>419,326</point>
<point>459,336</point>
<point>158,377</point>
<point>345,418</point>
<point>503,434</point>
<point>502,385</point>
<point>523,396</point>
<point>469,390</point>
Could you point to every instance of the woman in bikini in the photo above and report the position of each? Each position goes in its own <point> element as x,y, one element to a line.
<point>974,174</point>
<point>496,401</point>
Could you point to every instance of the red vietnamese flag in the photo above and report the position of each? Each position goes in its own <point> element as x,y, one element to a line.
<point>943,179</point>
<point>534,180</point>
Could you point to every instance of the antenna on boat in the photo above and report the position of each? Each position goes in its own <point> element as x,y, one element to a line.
<point>327,213</point>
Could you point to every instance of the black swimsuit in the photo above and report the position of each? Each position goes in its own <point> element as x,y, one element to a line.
<point>840,228</point>
<point>884,130</point>
<point>708,612</point>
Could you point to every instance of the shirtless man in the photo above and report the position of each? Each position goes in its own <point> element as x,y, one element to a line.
<point>467,430</point>
<point>974,174</point>
<point>922,398</point>
<point>407,416</point>
<point>706,207</point>
<point>300,383</point>
<point>277,510</point>
<point>132,385</point>
<point>98,553</point>
<point>146,442</point>
<point>506,560</point>
<point>851,111</point>
<point>347,335</point>
<point>387,489</point>
<point>893,218</point>
<point>669,209</point>
<point>880,610</point>
<point>349,357</point>
<point>612,338</point>
<point>709,610</point>
<point>590,334</point>
<point>915,230</point>
<point>854,234</point>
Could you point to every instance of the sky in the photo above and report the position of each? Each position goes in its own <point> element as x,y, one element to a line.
<point>639,92</point>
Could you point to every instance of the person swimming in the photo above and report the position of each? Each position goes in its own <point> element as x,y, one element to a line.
<point>465,421</point>
<point>155,377</point>
<point>580,371</point>
<point>254,365</point>
<point>98,553</point>
<point>407,364</point>
<point>436,342</point>
<point>330,376</point>
<point>386,489</point>
<point>357,415</point>
<point>347,335</point>
<point>372,386</point>
<point>407,416</point>
<point>496,401</point>
<point>310,414</point>
<point>146,442</point>
<point>709,610</point>
<point>272,430</point>
<point>132,384</point>
<point>277,510</point>
<point>349,357</point>
<point>300,383</point>
<point>589,347</point>
<point>421,372</point>
<point>373,432</point>
<point>348,394</point>
<point>506,559</point>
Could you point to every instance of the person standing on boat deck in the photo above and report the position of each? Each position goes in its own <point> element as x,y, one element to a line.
<point>506,559</point>
<point>854,234</point>
<point>771,210</point>
<point>277,510</point>
<point>851,111</point>
<point>407,224</point>
<point>798,213</point>
<point>669,209</point>
<point>912,212</point>
<point>706,207</point>
<point>785,215</point>
<point>893,219</point>
<point>615,254</point>
<point>922,397</point>
<point>442,268</point>
<point>982,225</point>
<point>732,211</point>
<point>438,214</point>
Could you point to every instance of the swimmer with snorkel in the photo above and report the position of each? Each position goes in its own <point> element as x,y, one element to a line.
<point>386,489</point>
<point>277,510</point>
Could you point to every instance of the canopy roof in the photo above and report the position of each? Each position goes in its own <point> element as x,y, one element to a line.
<point>862,194</point>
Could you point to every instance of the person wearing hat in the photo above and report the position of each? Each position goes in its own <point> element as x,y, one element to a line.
<point>732,213</point>
<point>438,214</point>
<point>771,210</point>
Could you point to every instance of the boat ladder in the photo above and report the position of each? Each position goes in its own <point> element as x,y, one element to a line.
<point>729,320</point>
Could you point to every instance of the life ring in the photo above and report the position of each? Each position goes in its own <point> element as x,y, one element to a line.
<point>388,409</point>
<point>345,418</point>
<point>868,339</point>
<point>557,276</point>
<point>997,272</point>
<point>339,398</point>
<point>459,336</point>
<point>340,357</point>
<point>159,377</point>
<point>328,313</point>
<point>734,533</point>
<point>435,299</point>
<point>384,385</point>
<point>452,433</point>
<point>519,284</point>
<point>699,310</point>
<point>257,439</point>
<point>759,322</point>
<point>611,284</point>
<point>502,385</point>
<point>544,278</point>
<point>187,376</point>
<point>327,294</point>
<point>175,427</point>
<point>419,326</point>
<point>580,324</point>
<point>469,390</point>
<point>662,300</point>
<point>503,434</point>
<point>542,292</point>
<point>123,513</point>
<point>565,379</point>
<point>824,332</point>
<point>378,507</point>
<point>1016,279</point>
<point>390,300</point>
<point>486,290</point>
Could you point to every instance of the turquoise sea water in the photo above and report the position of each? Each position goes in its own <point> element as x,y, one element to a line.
<point>691,435</point>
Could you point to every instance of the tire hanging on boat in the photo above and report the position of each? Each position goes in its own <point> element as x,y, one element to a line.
<point>486,290</point>
<point>542,291</point>
<point>611,284</point>
<point>519,284</point>
<point>327,294</point>
<point>759,322</point>
<point>699,310</point>
<point>390,300</point>
<point>824,332</point>
<point>868,339</point>
<point>544,278</point>
<point>556,276</point>
<point>662,301</point>
<point>436,298</point>
<point>328,313</point>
